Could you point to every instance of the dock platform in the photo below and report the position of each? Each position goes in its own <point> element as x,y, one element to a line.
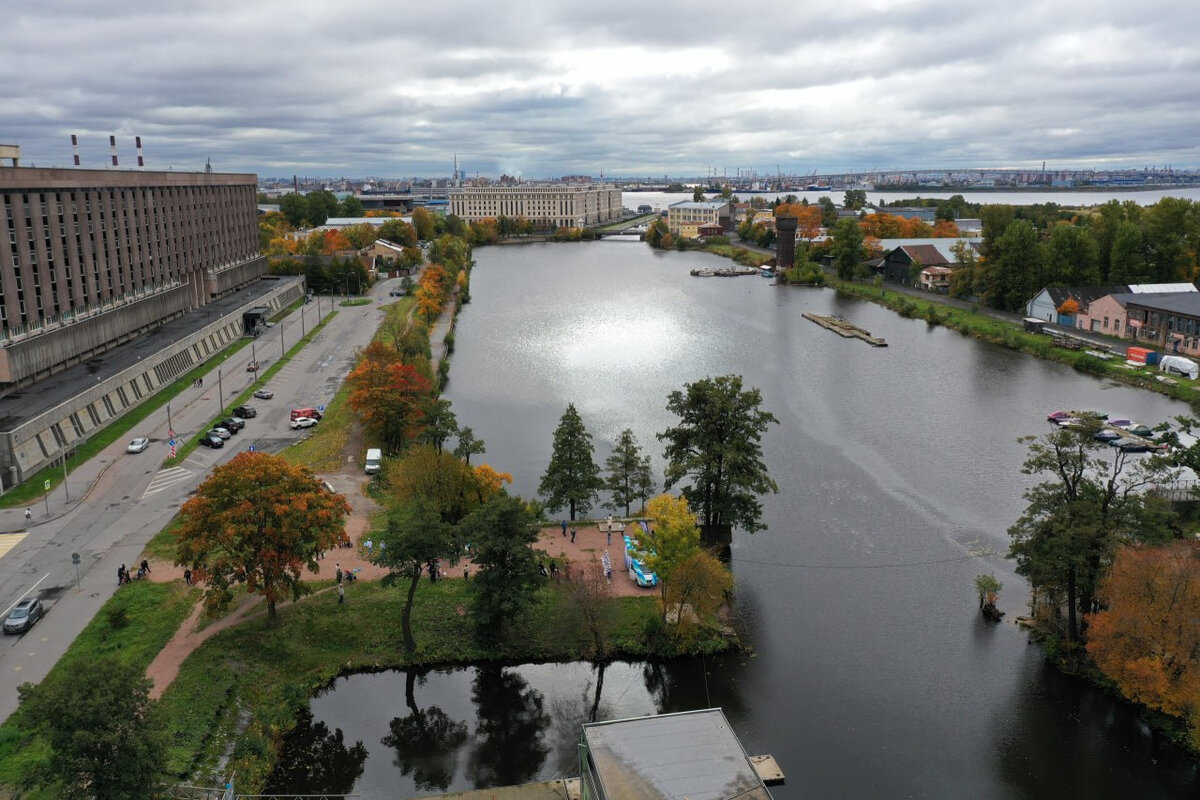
<point>843,328</point>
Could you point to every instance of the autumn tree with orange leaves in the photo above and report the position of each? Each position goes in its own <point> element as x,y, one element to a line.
<point>388,396</point>
<point>808,218</point>
<point>431,291</point>
<point>258,522</point>
<point>1148,639</point>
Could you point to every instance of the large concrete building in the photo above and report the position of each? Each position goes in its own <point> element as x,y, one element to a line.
<point>97,257</point>
<point>549,205</point>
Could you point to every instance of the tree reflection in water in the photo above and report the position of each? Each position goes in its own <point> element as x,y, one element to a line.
<point>425,742</point>
<point>510,729</point>
<point>570,714</point>
<point>315,761</point>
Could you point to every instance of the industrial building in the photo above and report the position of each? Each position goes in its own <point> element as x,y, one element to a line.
<point>100,258</point>
<point>548,205</point>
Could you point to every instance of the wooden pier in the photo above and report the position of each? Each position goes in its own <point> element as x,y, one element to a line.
<point>843,328</point>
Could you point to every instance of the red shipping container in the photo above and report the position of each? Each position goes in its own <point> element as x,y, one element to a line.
<point>1140,355</point>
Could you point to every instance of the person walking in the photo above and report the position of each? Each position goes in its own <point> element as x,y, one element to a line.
<point>187,577</point>
<point>339,574</point>
<point>120,574</point>
<point>574,531</point>
<point>28,515</point>
<point>341,594</point>
<point>564,527</point>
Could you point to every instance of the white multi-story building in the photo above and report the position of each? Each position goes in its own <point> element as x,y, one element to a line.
<point>557,205</point>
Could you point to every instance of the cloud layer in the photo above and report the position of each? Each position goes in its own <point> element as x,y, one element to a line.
<point>543,88</point>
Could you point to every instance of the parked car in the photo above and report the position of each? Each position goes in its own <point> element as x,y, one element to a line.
<point>220,433</point>
<point>137,445</point>
<point>233,424</point>
<point>212,440</point>
<point>23,616</point>
<point>264,394</point>
<point>396,293</point>
<point>302,422</point>
<point>245,412</point>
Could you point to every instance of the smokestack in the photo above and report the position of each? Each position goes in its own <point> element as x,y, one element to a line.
<point>75,148</point>
<point>112,142</point>
<point>141,161</point>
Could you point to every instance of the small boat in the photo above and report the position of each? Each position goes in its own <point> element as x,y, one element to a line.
<point>766,273</point>
<point>1106,435</point>
<point>703,273</point>
<point>1120,423</point>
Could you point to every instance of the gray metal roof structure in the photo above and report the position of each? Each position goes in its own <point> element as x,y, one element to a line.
<point>693,755</point>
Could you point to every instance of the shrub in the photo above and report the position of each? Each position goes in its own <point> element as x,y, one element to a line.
<point>117,616</point>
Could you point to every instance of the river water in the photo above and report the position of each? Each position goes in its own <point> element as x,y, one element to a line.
<point>1070,198</point>
<point>899,472</point>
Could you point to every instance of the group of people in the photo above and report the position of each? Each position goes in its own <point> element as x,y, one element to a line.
<point>124,577</point>
<point>552,572</point>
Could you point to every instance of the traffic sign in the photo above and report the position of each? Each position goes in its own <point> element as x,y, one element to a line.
<point>74,558</point>
<point>46,485</point>
<point>252,447</point>
<point>321,409</point>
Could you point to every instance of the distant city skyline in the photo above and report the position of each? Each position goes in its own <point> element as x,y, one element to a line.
<point>366,88</point>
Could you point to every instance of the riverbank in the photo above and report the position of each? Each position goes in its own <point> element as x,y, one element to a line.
<point>993,330</point>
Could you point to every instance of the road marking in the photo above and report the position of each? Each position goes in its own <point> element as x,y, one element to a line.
<point>22,597</point>
<point>10,540</point>
<point>167,478</point>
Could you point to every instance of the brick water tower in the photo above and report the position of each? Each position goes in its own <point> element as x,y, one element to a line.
<point>785,243</point>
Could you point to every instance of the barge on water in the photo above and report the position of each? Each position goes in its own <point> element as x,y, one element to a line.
<point>841,327</point>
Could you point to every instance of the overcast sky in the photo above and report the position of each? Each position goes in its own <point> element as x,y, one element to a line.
<point>549,87</point>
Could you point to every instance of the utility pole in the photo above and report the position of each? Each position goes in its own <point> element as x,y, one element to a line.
<point>66,491</point>
<point>220,394</point>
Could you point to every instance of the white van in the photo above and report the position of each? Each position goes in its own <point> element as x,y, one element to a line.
<point>374,460</point>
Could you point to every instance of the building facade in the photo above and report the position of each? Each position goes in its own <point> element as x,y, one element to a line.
<point>1168,322</point>
<point>97,257</point>
<point>686,218</point>
<point>548,205</point>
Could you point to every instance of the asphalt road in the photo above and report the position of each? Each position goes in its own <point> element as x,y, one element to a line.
<point>114,504</point>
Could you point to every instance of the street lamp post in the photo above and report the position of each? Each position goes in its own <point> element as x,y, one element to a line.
<point>220,394</point>
<point>66,491</point>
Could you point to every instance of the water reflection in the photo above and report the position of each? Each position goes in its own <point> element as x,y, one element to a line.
<point>315,761</point>
<point>425,743</point>
<point>510,729</point>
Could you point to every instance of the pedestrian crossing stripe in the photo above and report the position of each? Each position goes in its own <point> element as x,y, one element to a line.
<point>10,540</point>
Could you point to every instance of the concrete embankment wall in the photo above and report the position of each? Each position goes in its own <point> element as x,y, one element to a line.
<point>42,440</point>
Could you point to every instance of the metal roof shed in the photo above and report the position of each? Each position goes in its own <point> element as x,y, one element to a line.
<point>693,754</point>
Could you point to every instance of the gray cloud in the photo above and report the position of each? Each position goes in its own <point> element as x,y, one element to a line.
<point>547,88</point>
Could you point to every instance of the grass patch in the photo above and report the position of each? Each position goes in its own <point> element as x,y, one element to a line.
<point>358,301</point>
<point>741,255</point>
<point>153,612</point>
